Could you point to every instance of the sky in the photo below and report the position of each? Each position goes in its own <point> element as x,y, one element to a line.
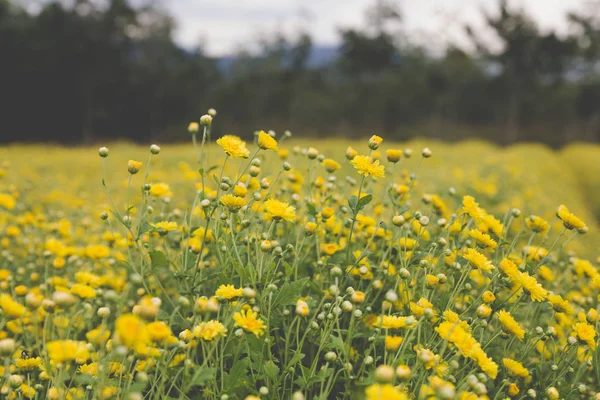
<point>224,26</point>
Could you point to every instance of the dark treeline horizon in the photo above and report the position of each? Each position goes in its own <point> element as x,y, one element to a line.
<point>84,74</point>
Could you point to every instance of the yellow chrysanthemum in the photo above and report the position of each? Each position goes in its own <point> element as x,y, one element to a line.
<point>366,167</point>
<point>510,325</point>
<point>586,333</point>
<point>279,210</point>
<point>250,322</point>
<point>228,292</point>
<point>210,330</point>
<point>478,260</point>
<point>233,146</point>
<point>515,367</point>
<point>386,391</point>
<point>570,220</point>
<point>266,141</point>
<point>483,239</point>
<point>233,203</point>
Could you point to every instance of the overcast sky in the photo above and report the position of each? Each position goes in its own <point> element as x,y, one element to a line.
<point>223,26</point>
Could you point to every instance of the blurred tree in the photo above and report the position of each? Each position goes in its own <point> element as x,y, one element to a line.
<point>85,70</point>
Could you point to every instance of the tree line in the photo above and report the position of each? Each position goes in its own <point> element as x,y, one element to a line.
<point>83,73</point>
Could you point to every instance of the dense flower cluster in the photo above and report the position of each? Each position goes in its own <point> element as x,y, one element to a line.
<point>262,271</point>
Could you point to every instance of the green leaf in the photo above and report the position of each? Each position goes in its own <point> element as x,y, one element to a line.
<point>289,292</point>
<point>311,209</point>
<point>271,370</point>
<point>352,203</point>
<point>363,202</point>
<point>338,344</point>
<point>203,375</point>
<point>296,358</point>
<point>238,373</point>
<point>243,271</point>
<point>159,260</point>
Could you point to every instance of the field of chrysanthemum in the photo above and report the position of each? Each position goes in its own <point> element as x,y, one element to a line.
<point>296,269</point>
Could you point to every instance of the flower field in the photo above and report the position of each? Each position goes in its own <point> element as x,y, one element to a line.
<point>295,269</point>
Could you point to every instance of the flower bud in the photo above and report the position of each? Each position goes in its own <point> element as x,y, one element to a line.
<point>403,372</point>
<point>7,347</point>
<point>206,120</point>
<point>375,142</point>
<point>193,128</point>
<point>103,152</point>
<point>384,373</point>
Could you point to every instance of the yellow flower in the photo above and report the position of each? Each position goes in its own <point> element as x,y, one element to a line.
<point>233,146</point>
<point>7,201</point>
<point>351,153</point>
<point>408,244</point>
<point>431,281</point>
<point>365,167</point>
<point>209,330</point>
<point>193,127</point>
<point>331,165</point>
<point>250,322</point>
<point>546,273</point>
<point>279,210</point>
<point>134,166</point>
<point>60,351</point>
<point>386,391</point>
<point>283,154</point>
<point>513,390</point>
<point>537,224</point>
<point>510,325</point>
<point>471,207</point>
<point>486,364</point>
<point>28,363</point>
<point>393,155</point>
<point>233,203</point>
<point>266,141</point>
<point>393,322</point>
<point>483,239</point>
<point>158,331</point>
<point>515,367</point>
<point>374,142</point>
<point>302,308</point>
<point>478,260</point>
<point>160,190</point>
<point>27,391</point>
<point>531,286</point>
<point>98,336</point>
<point>586,333</point>
<point>83,291</point>
<point>509,268</point>
<point>570,220</point>
<point>131,331</point>
<point>559,304</point>
<point>228,292</point>
<point>11,308</point>
<point>240,191</point>
<point>165,226</point>
<point>488,297</point>
<point>392,343</point>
